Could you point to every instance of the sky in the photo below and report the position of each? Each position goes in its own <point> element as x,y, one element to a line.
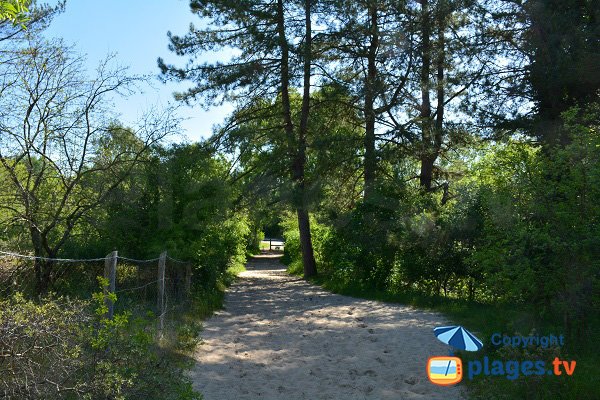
<point>136,30</point>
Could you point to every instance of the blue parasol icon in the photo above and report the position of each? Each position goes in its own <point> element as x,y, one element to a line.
<point>458,337</point>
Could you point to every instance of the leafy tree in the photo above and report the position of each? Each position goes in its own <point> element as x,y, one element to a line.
<point>177,198</point>
<point>540,233</point>
<point>54,122</point>
<point>564,50</point>
<point>333,153</point>
<point>448,63</point>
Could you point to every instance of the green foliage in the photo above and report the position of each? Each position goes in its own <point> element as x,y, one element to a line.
<point>540,237</point>
<point>127,362</point>
<point>221,247</point>
<point>291,254</point>
<point>65,349</point>
<point>396,245</point>
<point>179,200</point>
<point>521,227</point>
<point>14,11</point>
<point>519,235</point>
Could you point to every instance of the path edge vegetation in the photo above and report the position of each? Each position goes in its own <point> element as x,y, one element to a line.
<point>56,341</point>
<point>484,319</point>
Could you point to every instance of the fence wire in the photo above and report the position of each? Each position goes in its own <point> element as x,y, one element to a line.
<point>46,341</point>
<point>139,286</point>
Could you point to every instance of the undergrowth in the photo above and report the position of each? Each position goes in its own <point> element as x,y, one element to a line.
<point>487,319</point>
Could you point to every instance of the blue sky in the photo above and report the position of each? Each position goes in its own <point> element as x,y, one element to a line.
<point>136,30</point>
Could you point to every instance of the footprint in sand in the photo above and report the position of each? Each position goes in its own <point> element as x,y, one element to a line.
<point>277,357</point>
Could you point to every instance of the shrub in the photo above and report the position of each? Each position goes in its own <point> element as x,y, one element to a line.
<point>65,349</point>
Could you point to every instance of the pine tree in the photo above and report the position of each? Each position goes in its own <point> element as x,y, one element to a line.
<point>275,53</point>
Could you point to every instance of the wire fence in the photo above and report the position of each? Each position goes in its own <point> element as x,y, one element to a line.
<point>155,288</point>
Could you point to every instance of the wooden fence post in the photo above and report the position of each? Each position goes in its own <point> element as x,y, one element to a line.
<point>110,273</point>
<point>161,290</point>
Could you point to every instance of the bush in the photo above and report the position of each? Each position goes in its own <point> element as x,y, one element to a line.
<point>42,347</point>
<point>292,255</point>
<point>222,246</point>
<point>408,243</point>
<point>66,349</point>
<point>540,242</point>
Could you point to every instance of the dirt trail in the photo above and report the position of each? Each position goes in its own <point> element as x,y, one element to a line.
<point>282,338</point>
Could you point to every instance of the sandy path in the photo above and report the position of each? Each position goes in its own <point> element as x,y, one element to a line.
<point>282,338</point>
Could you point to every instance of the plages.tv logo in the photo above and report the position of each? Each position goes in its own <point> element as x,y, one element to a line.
<point>448,370</point>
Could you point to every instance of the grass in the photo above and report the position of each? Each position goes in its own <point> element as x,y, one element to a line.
<point>509,319</point>
<point>183,332</point>
<point>232,273</point>
<point>264,245</point>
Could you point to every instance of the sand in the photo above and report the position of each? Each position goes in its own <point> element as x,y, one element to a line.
<point>280,337</point>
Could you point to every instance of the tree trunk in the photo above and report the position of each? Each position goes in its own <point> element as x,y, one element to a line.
<point>426,174</point>
<point>308,258</point>
<point>43,275</point>
<point>299,160</point>
<point>432,131</point>
<point>41,268</point>
<point>370,161</point>
<point>427,159</point>
<point>441,93</point>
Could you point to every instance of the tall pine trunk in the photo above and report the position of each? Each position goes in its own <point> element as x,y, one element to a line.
<point>299,160</point>
<point>427,159</point>
<point>370,160</point>
<point>438,133</point>
<point>308,258</point>
<point>432,131</point>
